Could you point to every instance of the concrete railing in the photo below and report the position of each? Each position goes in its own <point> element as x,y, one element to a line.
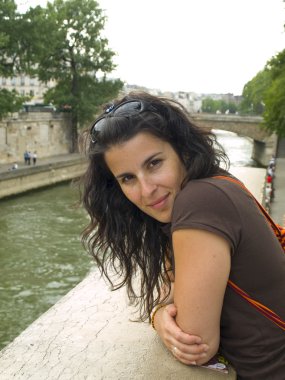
<point>89,334</point>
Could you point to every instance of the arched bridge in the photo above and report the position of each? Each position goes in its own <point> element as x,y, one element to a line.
<point>264,143</point>
<point>249,126</point>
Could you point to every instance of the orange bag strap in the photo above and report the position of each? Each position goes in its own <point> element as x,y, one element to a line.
<point>280,233</point>
<point>268,313</point>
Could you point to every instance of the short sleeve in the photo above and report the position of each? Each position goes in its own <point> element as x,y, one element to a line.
<point>205,205</point>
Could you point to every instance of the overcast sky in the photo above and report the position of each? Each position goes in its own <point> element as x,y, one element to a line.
<point>209,46</point>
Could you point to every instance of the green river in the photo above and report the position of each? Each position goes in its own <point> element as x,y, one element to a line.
<point>40,254</point>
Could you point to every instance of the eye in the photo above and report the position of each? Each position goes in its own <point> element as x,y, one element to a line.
<point>155,163</point>
<point>126,179</point>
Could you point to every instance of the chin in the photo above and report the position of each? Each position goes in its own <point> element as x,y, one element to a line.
<point>163,219</point>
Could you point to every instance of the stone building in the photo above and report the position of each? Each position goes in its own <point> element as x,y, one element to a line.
<point>26,86</point>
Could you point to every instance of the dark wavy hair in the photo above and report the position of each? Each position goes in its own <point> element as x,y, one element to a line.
<point>129,247</point>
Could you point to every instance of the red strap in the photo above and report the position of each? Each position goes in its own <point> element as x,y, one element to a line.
<point>268,313</point>
<point>280,233</point>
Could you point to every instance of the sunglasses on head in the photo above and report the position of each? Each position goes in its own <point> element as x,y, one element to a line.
<point>126,109</point>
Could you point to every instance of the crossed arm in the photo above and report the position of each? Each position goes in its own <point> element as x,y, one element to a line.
<point>192,322</point>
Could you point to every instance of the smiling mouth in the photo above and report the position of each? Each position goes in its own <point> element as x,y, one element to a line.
<point>159,202</point>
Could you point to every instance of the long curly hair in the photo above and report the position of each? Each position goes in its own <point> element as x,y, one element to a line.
<point>129,247</point>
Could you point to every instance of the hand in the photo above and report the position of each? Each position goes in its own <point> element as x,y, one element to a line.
<point>186,348</point>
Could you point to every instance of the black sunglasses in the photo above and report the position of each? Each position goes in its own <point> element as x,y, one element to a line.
<point>128,108</point>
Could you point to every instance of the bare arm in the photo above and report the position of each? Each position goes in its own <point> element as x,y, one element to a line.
<point>202,266</point>
<point>186,347</point>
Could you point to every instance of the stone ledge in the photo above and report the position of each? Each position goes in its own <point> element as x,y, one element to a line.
<point>22,180</point>
<point>88,335</point>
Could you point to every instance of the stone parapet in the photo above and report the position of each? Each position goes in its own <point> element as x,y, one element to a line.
<point>89,335</point>
<point>31,178</point>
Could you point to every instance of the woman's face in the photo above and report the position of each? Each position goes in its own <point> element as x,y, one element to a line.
<point>149,172</point>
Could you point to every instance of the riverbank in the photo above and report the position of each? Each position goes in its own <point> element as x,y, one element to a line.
<point>46,172</point>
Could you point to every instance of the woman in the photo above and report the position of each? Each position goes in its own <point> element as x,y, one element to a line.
<point>160,210</point>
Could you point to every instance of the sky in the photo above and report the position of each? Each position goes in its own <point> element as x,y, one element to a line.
<point>204,46</point>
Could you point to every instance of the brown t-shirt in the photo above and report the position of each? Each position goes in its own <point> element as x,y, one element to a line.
<point>253,344</point>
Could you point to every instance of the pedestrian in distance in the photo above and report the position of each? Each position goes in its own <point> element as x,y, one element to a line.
<point>35,157</point>
<point>29,157</point>
<point>26,157</point>
<point>168,218</point>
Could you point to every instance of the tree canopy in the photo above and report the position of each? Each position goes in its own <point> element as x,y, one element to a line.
<point>265,94</point>
<point>254,93</point>
<point>10,30</point>
<point>274,113</point>
<point>64,43</point>
<point>210,105</point>
<point>74,54</point>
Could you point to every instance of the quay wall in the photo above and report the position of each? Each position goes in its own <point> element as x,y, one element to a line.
<point>26,179</point>
<point>47,133</point>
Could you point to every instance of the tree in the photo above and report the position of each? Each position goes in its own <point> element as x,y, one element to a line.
<point>69,49</point>
<point>274,114</point>
<point>210,105</point>
<point>254,93</point>
<point>10,63</point>
<point>10,101</point>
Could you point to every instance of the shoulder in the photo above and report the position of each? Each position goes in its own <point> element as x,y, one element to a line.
<point>210,204</point>
<point>206,190</point>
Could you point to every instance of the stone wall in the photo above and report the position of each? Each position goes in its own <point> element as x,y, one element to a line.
<point>89,335</point>
<point>47,133</point>
<point>19,181</point>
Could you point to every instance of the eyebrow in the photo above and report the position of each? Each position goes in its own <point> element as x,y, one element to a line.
<point>145,163</point>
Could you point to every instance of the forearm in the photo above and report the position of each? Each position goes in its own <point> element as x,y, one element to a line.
<point>201,274</point>
<point>166,295</point>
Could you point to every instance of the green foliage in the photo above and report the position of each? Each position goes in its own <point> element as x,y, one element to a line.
<point>67,47</point>
<point>265,94</point>
<point>210,105</point>
<point>8,17</point>
<point>254,93</point>
<point>10,101</point>
<point>274,114</point>
<point>276,65</point>
<point>62,43</point>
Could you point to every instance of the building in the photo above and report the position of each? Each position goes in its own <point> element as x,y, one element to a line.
<point>26,86</point>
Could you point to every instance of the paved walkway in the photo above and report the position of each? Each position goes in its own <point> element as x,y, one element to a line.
<point>278,204</point>
<point>4,168</point>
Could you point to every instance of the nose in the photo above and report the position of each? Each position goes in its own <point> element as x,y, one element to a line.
<point>147,187</point>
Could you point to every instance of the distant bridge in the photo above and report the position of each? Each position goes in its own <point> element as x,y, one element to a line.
<point>264,143</point>
<point>242,125</point>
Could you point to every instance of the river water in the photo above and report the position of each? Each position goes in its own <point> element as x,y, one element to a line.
<point>40,253</point>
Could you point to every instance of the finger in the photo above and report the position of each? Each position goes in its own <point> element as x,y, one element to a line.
<point>185,338</point>
<point>189,360</point>
<point>171,309</point>
<point>194,349</point>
